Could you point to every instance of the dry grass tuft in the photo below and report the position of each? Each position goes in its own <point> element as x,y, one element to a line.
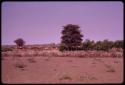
<point>109,68</point>
<point>20,66</point>
<point>31,60</point>
<point>66,77</point>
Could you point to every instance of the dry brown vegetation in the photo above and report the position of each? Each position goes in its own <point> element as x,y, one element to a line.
<point>50,50</point>
<point>46,64</point>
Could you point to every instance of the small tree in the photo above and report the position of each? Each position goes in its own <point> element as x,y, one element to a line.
<point>98,45</point>
<point>118,44</point>
<point>107,44</point>
<point>104,45</point>
<point>20,42</point>
<point>62,47</point>
<point>71,38</point>
<point>88,44</point>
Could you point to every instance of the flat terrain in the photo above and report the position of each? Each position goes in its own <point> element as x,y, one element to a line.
<point>62,70</point>
<point>25,66</point>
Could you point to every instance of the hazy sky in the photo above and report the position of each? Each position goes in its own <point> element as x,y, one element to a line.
<point>41,22</point>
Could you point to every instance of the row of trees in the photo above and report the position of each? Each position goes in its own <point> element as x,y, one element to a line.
<point>101,45</point>
<point>72,40</point>
<point>86,45</point>
<point>104,45</point>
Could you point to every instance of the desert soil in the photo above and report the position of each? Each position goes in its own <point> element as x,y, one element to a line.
<point>61,70</point>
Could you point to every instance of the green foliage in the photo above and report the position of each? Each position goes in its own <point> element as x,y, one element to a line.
<point>118,44</point>
<point>88,45</point>
<point>98,45</point>
<point>62,47</point>
<point>104,45</point>
<point>71,37</point>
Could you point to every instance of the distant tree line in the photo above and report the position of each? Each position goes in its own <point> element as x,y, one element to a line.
<point>102,45</point>
<point>72,40</point>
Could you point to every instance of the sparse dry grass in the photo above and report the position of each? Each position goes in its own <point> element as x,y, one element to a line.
<point>35,51</point>
<point>109,68</point>
<point>87,77</point>
<point>65,77</point>
<point>31,60</point>
<point>20,66</point>
<point>49,65</point>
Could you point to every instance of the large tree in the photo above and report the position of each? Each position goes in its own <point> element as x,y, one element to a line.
<point>71,37</point>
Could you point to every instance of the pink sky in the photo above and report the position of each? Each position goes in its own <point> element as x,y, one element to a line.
<point>41,22</point>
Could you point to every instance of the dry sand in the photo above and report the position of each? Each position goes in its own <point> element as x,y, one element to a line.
<point>61,70</point>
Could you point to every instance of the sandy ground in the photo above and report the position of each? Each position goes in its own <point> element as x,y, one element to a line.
<point>61,70</point>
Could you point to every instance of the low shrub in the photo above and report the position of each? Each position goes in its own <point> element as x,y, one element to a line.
<point>62,47</point>
<point>5,49</point>
<point>31,60</point>
<point>21,66</point>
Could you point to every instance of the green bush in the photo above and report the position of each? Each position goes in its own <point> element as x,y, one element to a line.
<point>62,47</point>
<point>104,45</point>
<point>118,44</point>
<point>88,44</point>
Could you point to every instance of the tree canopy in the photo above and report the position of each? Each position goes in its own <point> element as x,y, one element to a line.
<point>71,37</point>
